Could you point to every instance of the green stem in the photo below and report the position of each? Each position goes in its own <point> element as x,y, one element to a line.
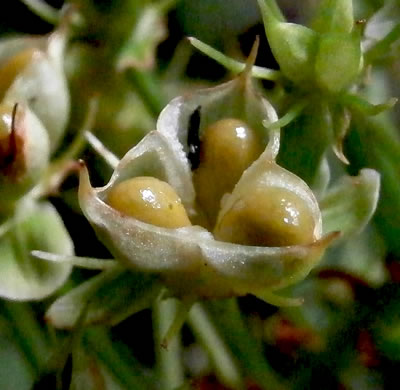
<point>28,333</point>
<point>43,10</point>
<point>290,116</point>
<point>169,360</point>
<point>243,345</point>
<point>126,372</point>
<point>148,88</point>
<point>224,362</point>
<point>382,48</point>
<point>233,65</point>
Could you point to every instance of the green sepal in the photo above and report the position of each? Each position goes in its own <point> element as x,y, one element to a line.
<point>334,16</point>
<point>348,206</point>
<point>107,298</point>
<point>22,276</point>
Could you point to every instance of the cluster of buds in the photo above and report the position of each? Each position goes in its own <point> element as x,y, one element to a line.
<point>327,56</point>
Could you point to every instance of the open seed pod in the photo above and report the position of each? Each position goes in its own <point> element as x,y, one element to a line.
<point>217,133</point>
<point>31,72</point>
<point>189,259</point>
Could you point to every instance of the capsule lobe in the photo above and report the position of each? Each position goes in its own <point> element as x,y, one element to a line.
<point>149,200</point>
<point>14,66</point>
<point>228,147</point>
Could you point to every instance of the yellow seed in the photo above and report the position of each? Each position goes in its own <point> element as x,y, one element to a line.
<point>267,217</point>
<point>14,66</point>
<point>228,147</point>
<point>149,200</point>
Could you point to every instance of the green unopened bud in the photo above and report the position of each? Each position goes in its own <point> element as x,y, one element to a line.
<point>338,61</point>
<point>294,46</point>
<point>31,72</point>
<point>24,153</point>
<point>334,16</point>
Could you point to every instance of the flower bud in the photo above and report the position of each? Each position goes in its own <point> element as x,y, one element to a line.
<point>149,200</point>
<point>294,46</point>
<point>334,16</point>
<point>338,61</point>
<point>328,57</point>
<point>24,152</point>
<point>31,71</point>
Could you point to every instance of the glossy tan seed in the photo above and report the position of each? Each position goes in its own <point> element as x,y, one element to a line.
<point>228,147</point>
<point>271,217</point>
<point>149,200</point>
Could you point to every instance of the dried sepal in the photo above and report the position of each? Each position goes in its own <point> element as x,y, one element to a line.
<point>24,153</point>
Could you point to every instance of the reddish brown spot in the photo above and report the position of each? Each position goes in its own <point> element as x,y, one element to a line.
<point>289,338</point>
<point>12,154</point>
<point>368,354</point>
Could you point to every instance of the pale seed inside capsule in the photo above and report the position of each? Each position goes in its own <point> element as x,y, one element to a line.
<point>149,200</point>
<point>228,147</point>
<point>267,217</point>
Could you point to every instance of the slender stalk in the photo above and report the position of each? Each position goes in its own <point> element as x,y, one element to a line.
<point>148,88</point>
<point>43,10</point>
<point>243,345</point>
<point>225,365</point>
<point>233,65</point>
<point>168,359</point>
<point>28,334</point>
<point>126,372</point>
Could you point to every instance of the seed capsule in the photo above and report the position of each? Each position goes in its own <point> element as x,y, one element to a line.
<point>149,200</point>
<point>228,147</point>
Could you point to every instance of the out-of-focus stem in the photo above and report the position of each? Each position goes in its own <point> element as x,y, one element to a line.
<point>223,361</point>
<point>168,359</point>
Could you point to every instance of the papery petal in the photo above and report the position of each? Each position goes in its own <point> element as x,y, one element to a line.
<point>22,276</point>
<point>348,206</point>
